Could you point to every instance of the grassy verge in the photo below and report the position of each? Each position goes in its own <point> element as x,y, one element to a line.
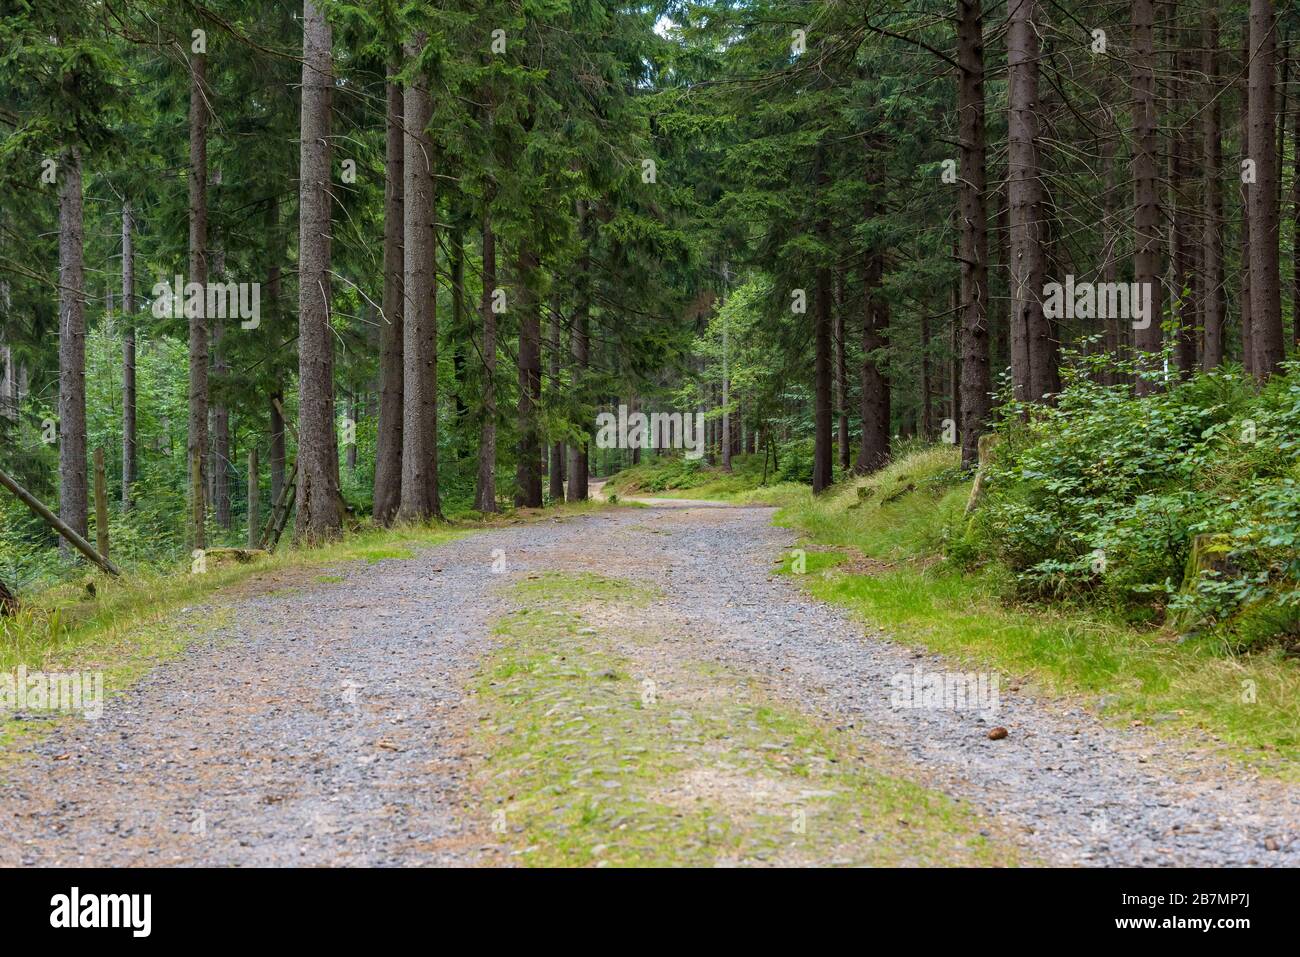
<point>675,477</point>
<point>885,536</point>
<point>131,623</point>
<point>876,546</point>
<point>593,762</point>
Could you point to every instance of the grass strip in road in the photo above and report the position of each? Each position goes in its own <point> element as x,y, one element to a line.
<point>592,761</point>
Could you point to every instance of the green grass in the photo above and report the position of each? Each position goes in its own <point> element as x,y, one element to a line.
<point>1250,702</point>
<point>134,622</point>
<point>676,477</point>
<point>585,767</point>
<point>149,615</point>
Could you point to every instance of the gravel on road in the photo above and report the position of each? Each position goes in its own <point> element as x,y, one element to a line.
<point>329,725</point>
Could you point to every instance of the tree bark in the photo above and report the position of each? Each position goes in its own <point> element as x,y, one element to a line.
<point>219,419</point>
<point>841,382</point>
<point>874,451</point>
<point>485,488</point>
<point>459,329</point>
<point>726,397</point>
<point>1116,337</point>
<point>1213,305</point>
<point>1185,268</point>
<point>555,472</point>
<point>272,306</point>
<point>128,356</point>
<point>580,454</point>
<point>197,445</point>
<point>1247,327</point>
<point>319,517</point>
<point>974,390</point>
<point>874,381</point>
<point>419,500</point>
<point>823,453</point>
<point>254,507</point>
<point>528,472</point>
<point>1295,228</point>
<point>1146,195</point>
<point>73,483</point>
<point>927,386</point>
<point>388,442</point>
<point>276,450</point>
<point>1032,354</point>
<point>1265,281</point>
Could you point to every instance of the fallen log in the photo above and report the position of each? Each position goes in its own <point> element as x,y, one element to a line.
<point>56,523</point>
<point>240,556</point>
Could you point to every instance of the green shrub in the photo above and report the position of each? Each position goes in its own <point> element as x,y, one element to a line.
<point>1101,496</point>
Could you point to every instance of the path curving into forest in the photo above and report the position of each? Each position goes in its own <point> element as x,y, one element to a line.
<point>336,722</point>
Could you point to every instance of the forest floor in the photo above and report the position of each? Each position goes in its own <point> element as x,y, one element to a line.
<point>623,686</point>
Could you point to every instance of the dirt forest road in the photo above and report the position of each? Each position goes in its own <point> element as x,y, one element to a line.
<point>633,685</point>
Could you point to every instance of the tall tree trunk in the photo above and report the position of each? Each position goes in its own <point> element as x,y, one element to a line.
<point>1247,327</point>
<point>128,355</point>
<point>974,390</point>
<point>272,307</point>
<point>319,516</point>
<point>197,445</point>
<point>1115,336</point>
<point>823,454</point>
<point>726,398</point>
<point>485,488</point>
<point>874,383</point>
<point>927,386</point>
<point>1295,227</point>
<point>580,455</point>
<point>219,419</point>
<point>73,492</point>
<point>1265,280</point>
<point>1213,305</point>
<point>528,472</point>
<point>1146,195</point>
<point>555,471</point>
<point>460,331</point>
<point>1183,251</point>
<point>277,451</point>
<point>841,382</point>
<point>874,451</point>
<point>419,500</point>
<point>1031,346</point>
<point>388,441</point>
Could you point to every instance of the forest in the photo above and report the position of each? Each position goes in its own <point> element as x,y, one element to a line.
<point>397,259</point>
<point>997,302</point>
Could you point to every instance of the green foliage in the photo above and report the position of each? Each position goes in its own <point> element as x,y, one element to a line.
<point>1102,495</point>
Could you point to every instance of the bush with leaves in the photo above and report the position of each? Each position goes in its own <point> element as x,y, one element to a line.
<point>1102,496</point>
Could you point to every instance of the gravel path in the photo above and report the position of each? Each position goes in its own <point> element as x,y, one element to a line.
<point>329,725</point>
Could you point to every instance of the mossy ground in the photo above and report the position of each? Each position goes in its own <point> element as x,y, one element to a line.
<point>602,750</point>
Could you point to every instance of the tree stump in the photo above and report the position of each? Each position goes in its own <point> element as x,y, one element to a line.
<point>1210,553</point>
<point>986,443</point>
<point>8,601</point>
